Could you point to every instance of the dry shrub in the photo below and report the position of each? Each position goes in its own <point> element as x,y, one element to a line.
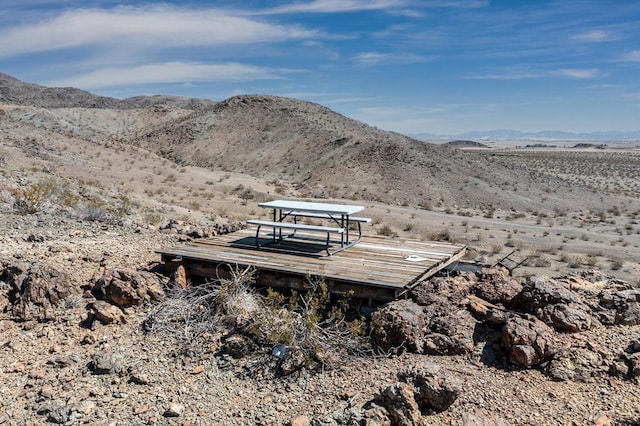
<point>33,198</point>
<point>308,322</point>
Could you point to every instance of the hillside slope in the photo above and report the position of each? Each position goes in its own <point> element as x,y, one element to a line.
<point>305,147</point>
<point>325,154</point>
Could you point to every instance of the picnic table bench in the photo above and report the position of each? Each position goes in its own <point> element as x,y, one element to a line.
<point>340,214</point>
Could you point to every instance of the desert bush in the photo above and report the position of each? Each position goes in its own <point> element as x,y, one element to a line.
<point>616,264</point>
<point>425,205</point>
<point>442,235</point>
<point>33,198</point>
<point>387,231</point>
<point>94,213</point>
<point>308,322</point>
<point>311,323</point>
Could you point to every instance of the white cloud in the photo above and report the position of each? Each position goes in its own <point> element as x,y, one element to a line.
<point>507,76</point>
<point>594,36</point>
<point>578,73</point>
<point>396,7</point>
<point>334,6</point>
<point>633,56</point>
<point>375,58</point>
<point>144,28</point>
<point>169,72</point>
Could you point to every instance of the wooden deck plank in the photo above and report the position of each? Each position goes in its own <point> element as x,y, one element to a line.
<point>375,263</point>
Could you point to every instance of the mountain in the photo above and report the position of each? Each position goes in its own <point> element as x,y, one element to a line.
<point>13,91</point>
<point>303,146</point>
<point>545,135</point>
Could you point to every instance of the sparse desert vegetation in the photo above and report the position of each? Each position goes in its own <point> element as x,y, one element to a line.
<point>87,195</point>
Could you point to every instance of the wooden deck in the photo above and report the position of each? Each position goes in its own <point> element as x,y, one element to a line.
<point>378,268</point>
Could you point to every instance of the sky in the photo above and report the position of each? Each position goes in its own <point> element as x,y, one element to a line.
<point>410,66</point>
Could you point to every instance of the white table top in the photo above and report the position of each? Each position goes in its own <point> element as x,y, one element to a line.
<point>303,206</point>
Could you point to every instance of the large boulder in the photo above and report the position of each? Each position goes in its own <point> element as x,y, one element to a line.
<point>448,325</point>
<point>397,326</point>
<point>435,388</point>
<point>539,292</point>
<point>623,307</point>
<point>450,290</point>
<point>495,285</point>
<point>36,290</point>
<point>127,287</point>
<point>528,341</point>
<point>555,304</point>
<point>567,318</point>
<point>450,333</point>
<point>576,363</point>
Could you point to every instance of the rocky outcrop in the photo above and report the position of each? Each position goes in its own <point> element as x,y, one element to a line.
<point>36,290</point>
<point>422,389</point>
<point>398,326</point>
<point>126,287</point>
<point>191,230</point>
<point>528,341</point>
<point>556,305</point>
<point>623,307</point>
<point>448,325</point>
<point>496,286</point>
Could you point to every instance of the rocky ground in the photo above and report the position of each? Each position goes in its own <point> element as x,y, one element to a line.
<point>471,350</point>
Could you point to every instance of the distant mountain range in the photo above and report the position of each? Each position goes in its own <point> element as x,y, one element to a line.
<point>545,135</point>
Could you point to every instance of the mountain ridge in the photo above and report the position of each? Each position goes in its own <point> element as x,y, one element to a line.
<point>311,150</point>
<point>543,135</point>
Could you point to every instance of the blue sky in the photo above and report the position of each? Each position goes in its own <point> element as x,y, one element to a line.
<point>441,66</point>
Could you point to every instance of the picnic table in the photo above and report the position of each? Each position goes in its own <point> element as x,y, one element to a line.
<point>338,215</point>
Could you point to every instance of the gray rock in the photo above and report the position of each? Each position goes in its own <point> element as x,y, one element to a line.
<point>577,364</point>
<point>107,362</point>
<point>539,292</point>
<point>624,306</point>
<point>36,290</point>
<point>555,304</point>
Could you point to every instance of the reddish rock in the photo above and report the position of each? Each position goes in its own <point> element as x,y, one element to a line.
<point>528,341</point>
<point>401,405</point>
<point>398,325</point>
<point>496,286</point>
<point>300,421</point>
<point>125,287</point>
<point>107,313</point>
<point>435,388</point>
<point>180,276</point>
